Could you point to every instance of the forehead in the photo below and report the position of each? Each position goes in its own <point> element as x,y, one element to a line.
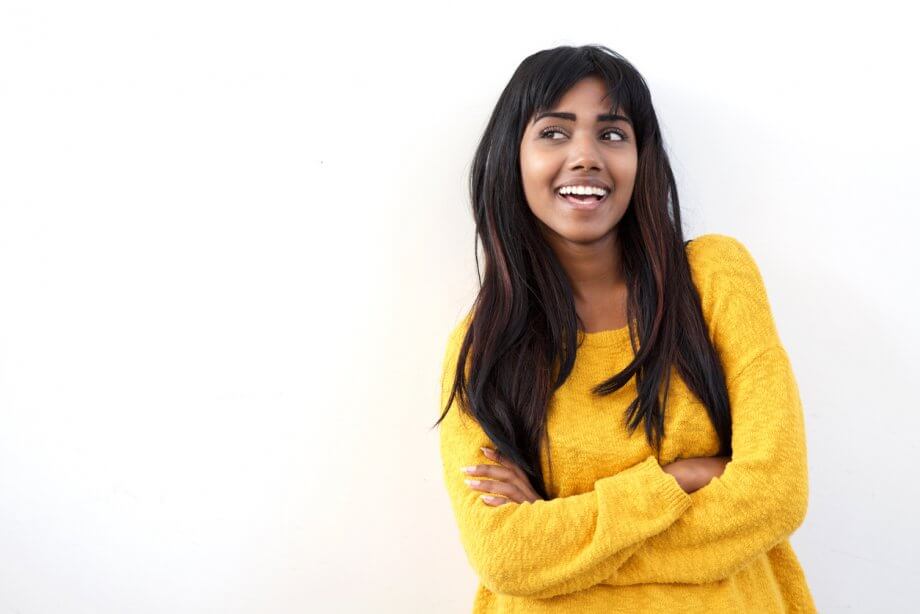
<point>586,100</point>
<point>588,91</point>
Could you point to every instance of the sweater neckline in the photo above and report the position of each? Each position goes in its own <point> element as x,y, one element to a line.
<point>605,338</point>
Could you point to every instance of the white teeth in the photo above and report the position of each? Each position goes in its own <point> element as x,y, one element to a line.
<point>583,190</point>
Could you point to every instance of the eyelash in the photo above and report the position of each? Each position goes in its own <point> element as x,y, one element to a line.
<point>545,131</point>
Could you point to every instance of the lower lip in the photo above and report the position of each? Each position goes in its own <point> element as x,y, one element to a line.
<point>589,206</point>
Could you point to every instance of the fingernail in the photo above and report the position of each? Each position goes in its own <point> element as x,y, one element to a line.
<point>468,469</point>
<point>488,452</point>
<point>472,482</point>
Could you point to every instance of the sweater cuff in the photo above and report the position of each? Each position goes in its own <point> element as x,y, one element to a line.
<point>664,486</point>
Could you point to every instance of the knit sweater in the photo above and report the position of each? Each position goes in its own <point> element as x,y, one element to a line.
<point>618,533</point>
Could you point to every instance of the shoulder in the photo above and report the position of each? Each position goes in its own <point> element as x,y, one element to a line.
<point>452,347</point>
<point>455,336</point>
<point>733,297</point>
<point>721,263</point>
<point>459,328</point>
<point>715,251</point>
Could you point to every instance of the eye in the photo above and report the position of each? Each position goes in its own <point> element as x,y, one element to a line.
<point>550,130</point>
<point>616,131</point>
<point>544,134</point>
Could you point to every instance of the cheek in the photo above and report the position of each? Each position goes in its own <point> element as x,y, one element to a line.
<point>633,164</point>
<point>536,171</point>
<point>624,171</point>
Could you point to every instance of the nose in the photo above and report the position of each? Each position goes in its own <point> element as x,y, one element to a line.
<point>584,154</point>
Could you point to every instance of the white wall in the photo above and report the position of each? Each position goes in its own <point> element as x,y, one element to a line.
<point>234,236</point>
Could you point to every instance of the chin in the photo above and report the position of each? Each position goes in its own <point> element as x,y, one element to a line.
<point>585,234</point>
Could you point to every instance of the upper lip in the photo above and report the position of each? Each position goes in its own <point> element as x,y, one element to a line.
<point>597,183</point>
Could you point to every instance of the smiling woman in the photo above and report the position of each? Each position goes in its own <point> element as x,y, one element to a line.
<point>572,201</point>
<point>594,317</point>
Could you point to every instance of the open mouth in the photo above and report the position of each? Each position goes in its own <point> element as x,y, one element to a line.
<point>583,201</point>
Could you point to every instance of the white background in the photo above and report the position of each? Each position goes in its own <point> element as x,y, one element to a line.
<point>235,235</point>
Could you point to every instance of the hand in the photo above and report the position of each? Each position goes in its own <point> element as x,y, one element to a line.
<point>694,473</point>
<point>508,480</point>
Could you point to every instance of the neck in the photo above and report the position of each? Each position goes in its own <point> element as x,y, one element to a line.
<point>594,269</point>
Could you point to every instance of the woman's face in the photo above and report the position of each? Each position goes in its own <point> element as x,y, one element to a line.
<point>579,149</point>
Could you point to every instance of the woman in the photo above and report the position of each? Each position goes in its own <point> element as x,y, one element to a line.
<point>594,317</point>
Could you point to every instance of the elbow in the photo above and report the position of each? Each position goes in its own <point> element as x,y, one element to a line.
<point>500,585</point>
<point>500,571</point>
<point>778,502</point>
<point>499,554</point>
<point>505,565</point>
<point>798,503</point>
<point>792,506</point>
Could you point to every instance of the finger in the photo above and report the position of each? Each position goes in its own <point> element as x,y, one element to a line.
<point>510,491</point>
<point>498,457</point>
<point>524,492</point>
<point>493,501</point>
<point>528,493</point>
<point>496,487</point>
<point>503,460</point>
<point>497,472</point>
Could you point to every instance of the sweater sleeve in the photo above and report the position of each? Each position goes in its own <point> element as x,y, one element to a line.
<point>545,548</point>
<point>762,496</point>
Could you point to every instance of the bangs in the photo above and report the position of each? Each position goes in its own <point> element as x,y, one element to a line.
<point>548,82</point>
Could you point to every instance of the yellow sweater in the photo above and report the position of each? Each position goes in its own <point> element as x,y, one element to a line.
<point>620,534</point>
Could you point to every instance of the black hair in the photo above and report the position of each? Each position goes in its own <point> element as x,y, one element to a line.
<point>522,334</point>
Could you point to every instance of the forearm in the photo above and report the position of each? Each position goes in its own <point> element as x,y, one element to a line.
<point>759,500</point>
<point>541,549</point>
<point>696,472</point>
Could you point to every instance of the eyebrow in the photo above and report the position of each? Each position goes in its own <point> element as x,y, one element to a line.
<point>604,117</point>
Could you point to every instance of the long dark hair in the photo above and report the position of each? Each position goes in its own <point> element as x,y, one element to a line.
<point>523,326</point>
